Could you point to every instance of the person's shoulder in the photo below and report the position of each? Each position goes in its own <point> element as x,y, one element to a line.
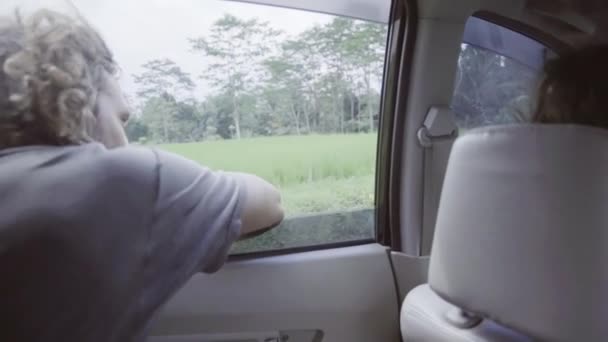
<point>130,157</point>
<point>125,165</point>
<point>130,163</point>
<point>86,174</point>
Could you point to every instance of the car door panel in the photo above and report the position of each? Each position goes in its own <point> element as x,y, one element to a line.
<point>347,294</point>
<point>292,335</point>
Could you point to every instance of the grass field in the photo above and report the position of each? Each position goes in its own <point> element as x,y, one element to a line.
<point>316,173</point>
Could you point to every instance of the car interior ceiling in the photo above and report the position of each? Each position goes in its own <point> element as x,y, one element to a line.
<point>577,23</point>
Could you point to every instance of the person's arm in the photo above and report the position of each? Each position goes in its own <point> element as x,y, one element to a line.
<point>262,209</point>
<point>201,213</point>
<point>185,217</point>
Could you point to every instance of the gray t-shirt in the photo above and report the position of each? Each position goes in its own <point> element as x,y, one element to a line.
<point>94,241</point>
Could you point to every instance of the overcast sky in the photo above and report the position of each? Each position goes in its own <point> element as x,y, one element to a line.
<point>141,30</point>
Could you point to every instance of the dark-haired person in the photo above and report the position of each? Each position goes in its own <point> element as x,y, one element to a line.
<point>575,89</point>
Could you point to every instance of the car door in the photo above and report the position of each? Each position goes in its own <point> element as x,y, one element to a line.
<point>302,94</point>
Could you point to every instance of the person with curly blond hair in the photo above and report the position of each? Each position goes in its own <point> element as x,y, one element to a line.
<point>96,235</point>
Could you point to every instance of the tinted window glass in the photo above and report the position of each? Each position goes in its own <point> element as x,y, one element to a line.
<point>497,74</point>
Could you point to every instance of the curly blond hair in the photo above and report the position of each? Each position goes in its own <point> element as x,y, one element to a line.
<point>50,73</point>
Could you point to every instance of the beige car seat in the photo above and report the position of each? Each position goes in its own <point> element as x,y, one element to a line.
<point>521,243</point>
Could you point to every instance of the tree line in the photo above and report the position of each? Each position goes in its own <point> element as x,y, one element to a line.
<point>263,82</point>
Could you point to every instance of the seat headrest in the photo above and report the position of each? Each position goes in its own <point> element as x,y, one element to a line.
<point>522,230</point>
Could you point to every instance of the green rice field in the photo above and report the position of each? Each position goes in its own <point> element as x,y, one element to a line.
<point>315,173</point>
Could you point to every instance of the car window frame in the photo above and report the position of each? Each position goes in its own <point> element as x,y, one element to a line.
<point>401,33</point>
<point>534,33</point>
<point>367,10</point>
<point>398,72</point>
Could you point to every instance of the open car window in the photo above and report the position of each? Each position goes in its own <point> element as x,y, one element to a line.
<point>292,96</point>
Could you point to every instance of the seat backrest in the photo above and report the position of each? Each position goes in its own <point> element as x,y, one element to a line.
<point>522,234</point>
